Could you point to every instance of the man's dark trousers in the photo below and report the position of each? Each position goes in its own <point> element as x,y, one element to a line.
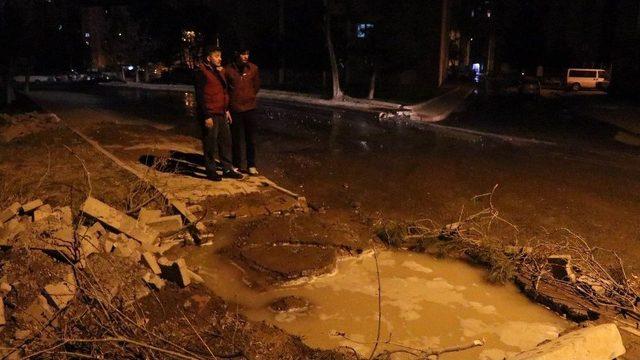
<point>243,128</point>
<point>216,144</point>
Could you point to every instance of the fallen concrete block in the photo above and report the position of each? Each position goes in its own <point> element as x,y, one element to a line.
<point>42,212</point>
<point>195,277</point>
<point>175,271</point>
<point>562,268</point>
<point>8,213</point>
<point>123,250</point>
<point>60,294</point>
<point>65,215</point>
<point>31,206</point>
<point>166,224</point>
<point>10,229</point>
<point>602,342</point>
<point>147,215</point>
<point>119,221</point>
<point>195,209</point>
<point>153,281</point>
<point>97,230</point>
<point>150,261</point>
<point>136,256</point>
<point>108,245</point>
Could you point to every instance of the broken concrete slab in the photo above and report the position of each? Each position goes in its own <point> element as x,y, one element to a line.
<point>562,268</point>
<point>8,213</point>
<point>31,206</point>
<point>195,277</point>
<point>119,221</point>
<point>123,250</point>
<point>166,224</point>
<point>175,271</point>
<point>601,342</point>
<point>147,215</point>
<point>97,230</point>
<point>108,245</point>
<point>153,281</point>
<point>61,293</point>
<point>42,212</point>
<point>10,229</point>
<point>64,214</point>
<point>151,262</point>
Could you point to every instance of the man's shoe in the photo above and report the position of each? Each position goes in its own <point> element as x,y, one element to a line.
<point>253,171</point>
<point>214,176</point>
<point>232,174</point>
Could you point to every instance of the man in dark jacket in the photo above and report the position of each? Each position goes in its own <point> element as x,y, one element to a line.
<point>244,82</point>
<point>212,99</point>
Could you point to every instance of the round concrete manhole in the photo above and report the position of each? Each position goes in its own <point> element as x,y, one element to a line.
<point>289,262</point>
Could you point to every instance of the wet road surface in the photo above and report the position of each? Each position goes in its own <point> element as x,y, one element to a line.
<point>342,159</point>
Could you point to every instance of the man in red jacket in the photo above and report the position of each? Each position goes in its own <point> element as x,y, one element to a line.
<point>212,99</point>
<point>244,82</point>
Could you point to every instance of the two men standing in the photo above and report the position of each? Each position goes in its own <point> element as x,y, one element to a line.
<point>219,90</point>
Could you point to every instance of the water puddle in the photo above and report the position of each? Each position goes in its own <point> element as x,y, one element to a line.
<point>425,302</point>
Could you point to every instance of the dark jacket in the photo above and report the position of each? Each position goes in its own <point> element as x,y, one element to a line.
<point>244,85</point>
<point>212,95</point>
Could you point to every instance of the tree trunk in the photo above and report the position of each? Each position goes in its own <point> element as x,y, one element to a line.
<point>124,78</point>
<point>137,75</point>
<point>372,84</point>
<point>444,43</point>
<point>281,41</point>
<point>336,93</point>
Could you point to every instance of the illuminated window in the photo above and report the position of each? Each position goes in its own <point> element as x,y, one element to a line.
<point>87,35</point>
<point>363,29</point>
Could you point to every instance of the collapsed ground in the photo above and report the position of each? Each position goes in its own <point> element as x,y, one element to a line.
<point>329,231</point>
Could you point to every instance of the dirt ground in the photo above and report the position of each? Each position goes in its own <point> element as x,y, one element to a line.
<point>57,166</point>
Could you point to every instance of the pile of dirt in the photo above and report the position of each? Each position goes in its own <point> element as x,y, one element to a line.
<point>19,125</point>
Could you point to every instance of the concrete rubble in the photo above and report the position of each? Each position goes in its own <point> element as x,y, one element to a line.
<point>104,231</point>
<point>601,342</point>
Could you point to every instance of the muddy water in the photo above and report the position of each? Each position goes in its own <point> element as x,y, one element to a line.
<point>425,302</point>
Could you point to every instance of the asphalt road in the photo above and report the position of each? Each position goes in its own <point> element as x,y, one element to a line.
<point>569,173</point>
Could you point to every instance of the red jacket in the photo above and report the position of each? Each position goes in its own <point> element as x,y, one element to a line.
<point>244,85</point>
<point>212,96</point>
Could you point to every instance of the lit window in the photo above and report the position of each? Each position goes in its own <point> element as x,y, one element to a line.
<point>87,35</point>
<point>488,13</point>
<point>363,29</point>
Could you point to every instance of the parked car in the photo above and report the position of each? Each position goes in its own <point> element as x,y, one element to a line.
<point>35,78</point>
<point>578,79</point>
<point>529,86</point>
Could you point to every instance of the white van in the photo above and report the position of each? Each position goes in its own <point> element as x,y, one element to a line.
<point>587,79</point>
